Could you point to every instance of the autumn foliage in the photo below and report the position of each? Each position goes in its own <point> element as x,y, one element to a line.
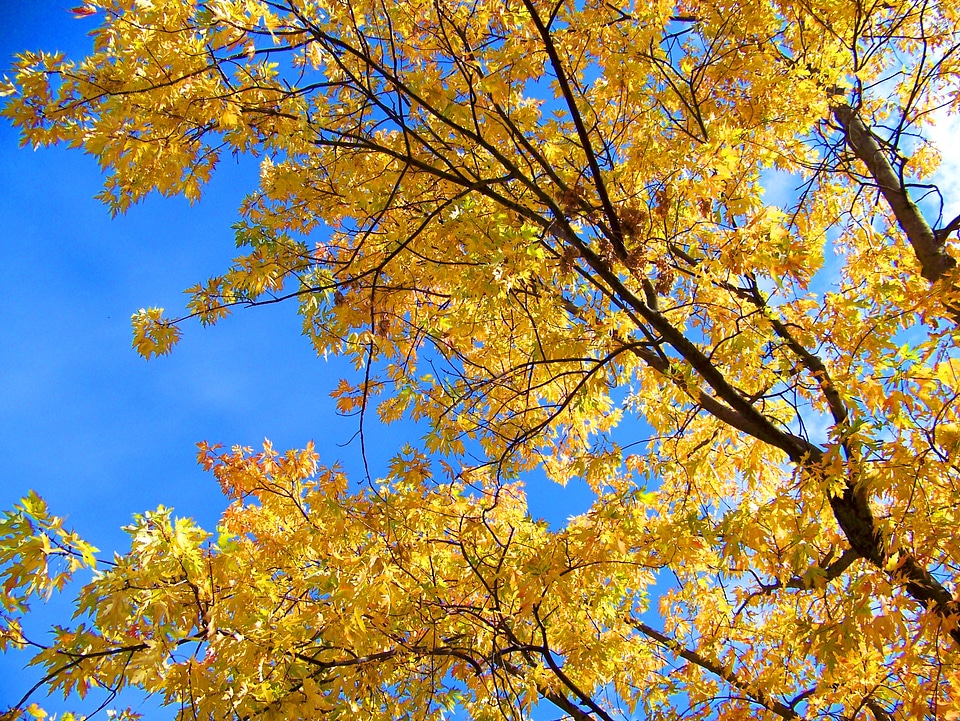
<point>541,230</point>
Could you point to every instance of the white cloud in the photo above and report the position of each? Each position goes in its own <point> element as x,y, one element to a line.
<point>945,135</point>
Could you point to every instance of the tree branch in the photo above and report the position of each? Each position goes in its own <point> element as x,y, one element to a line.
<point>927,245</point>
<point>616,232</point>
<point>693,657</point>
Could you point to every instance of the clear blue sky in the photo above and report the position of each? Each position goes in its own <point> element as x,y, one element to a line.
<point>96,430</point>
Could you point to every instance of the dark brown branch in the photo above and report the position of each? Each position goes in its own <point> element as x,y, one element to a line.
<point>877,710</point>
<point>834,570</point>
<point>810,361</point>
<point>803,583</point>
<point>943,233</point>
<point>547,655</point>
<point>565,704</point>
<point>716,669</point>
<point>928,247</point>
<point>79,658</point>
<point>616,232</point>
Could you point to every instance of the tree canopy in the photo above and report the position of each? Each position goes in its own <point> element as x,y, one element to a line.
<point>542,230</point>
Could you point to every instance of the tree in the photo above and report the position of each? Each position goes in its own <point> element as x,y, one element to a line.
<point>530,223</point>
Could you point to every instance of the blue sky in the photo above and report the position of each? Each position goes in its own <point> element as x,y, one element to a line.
<point>84,421</point>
